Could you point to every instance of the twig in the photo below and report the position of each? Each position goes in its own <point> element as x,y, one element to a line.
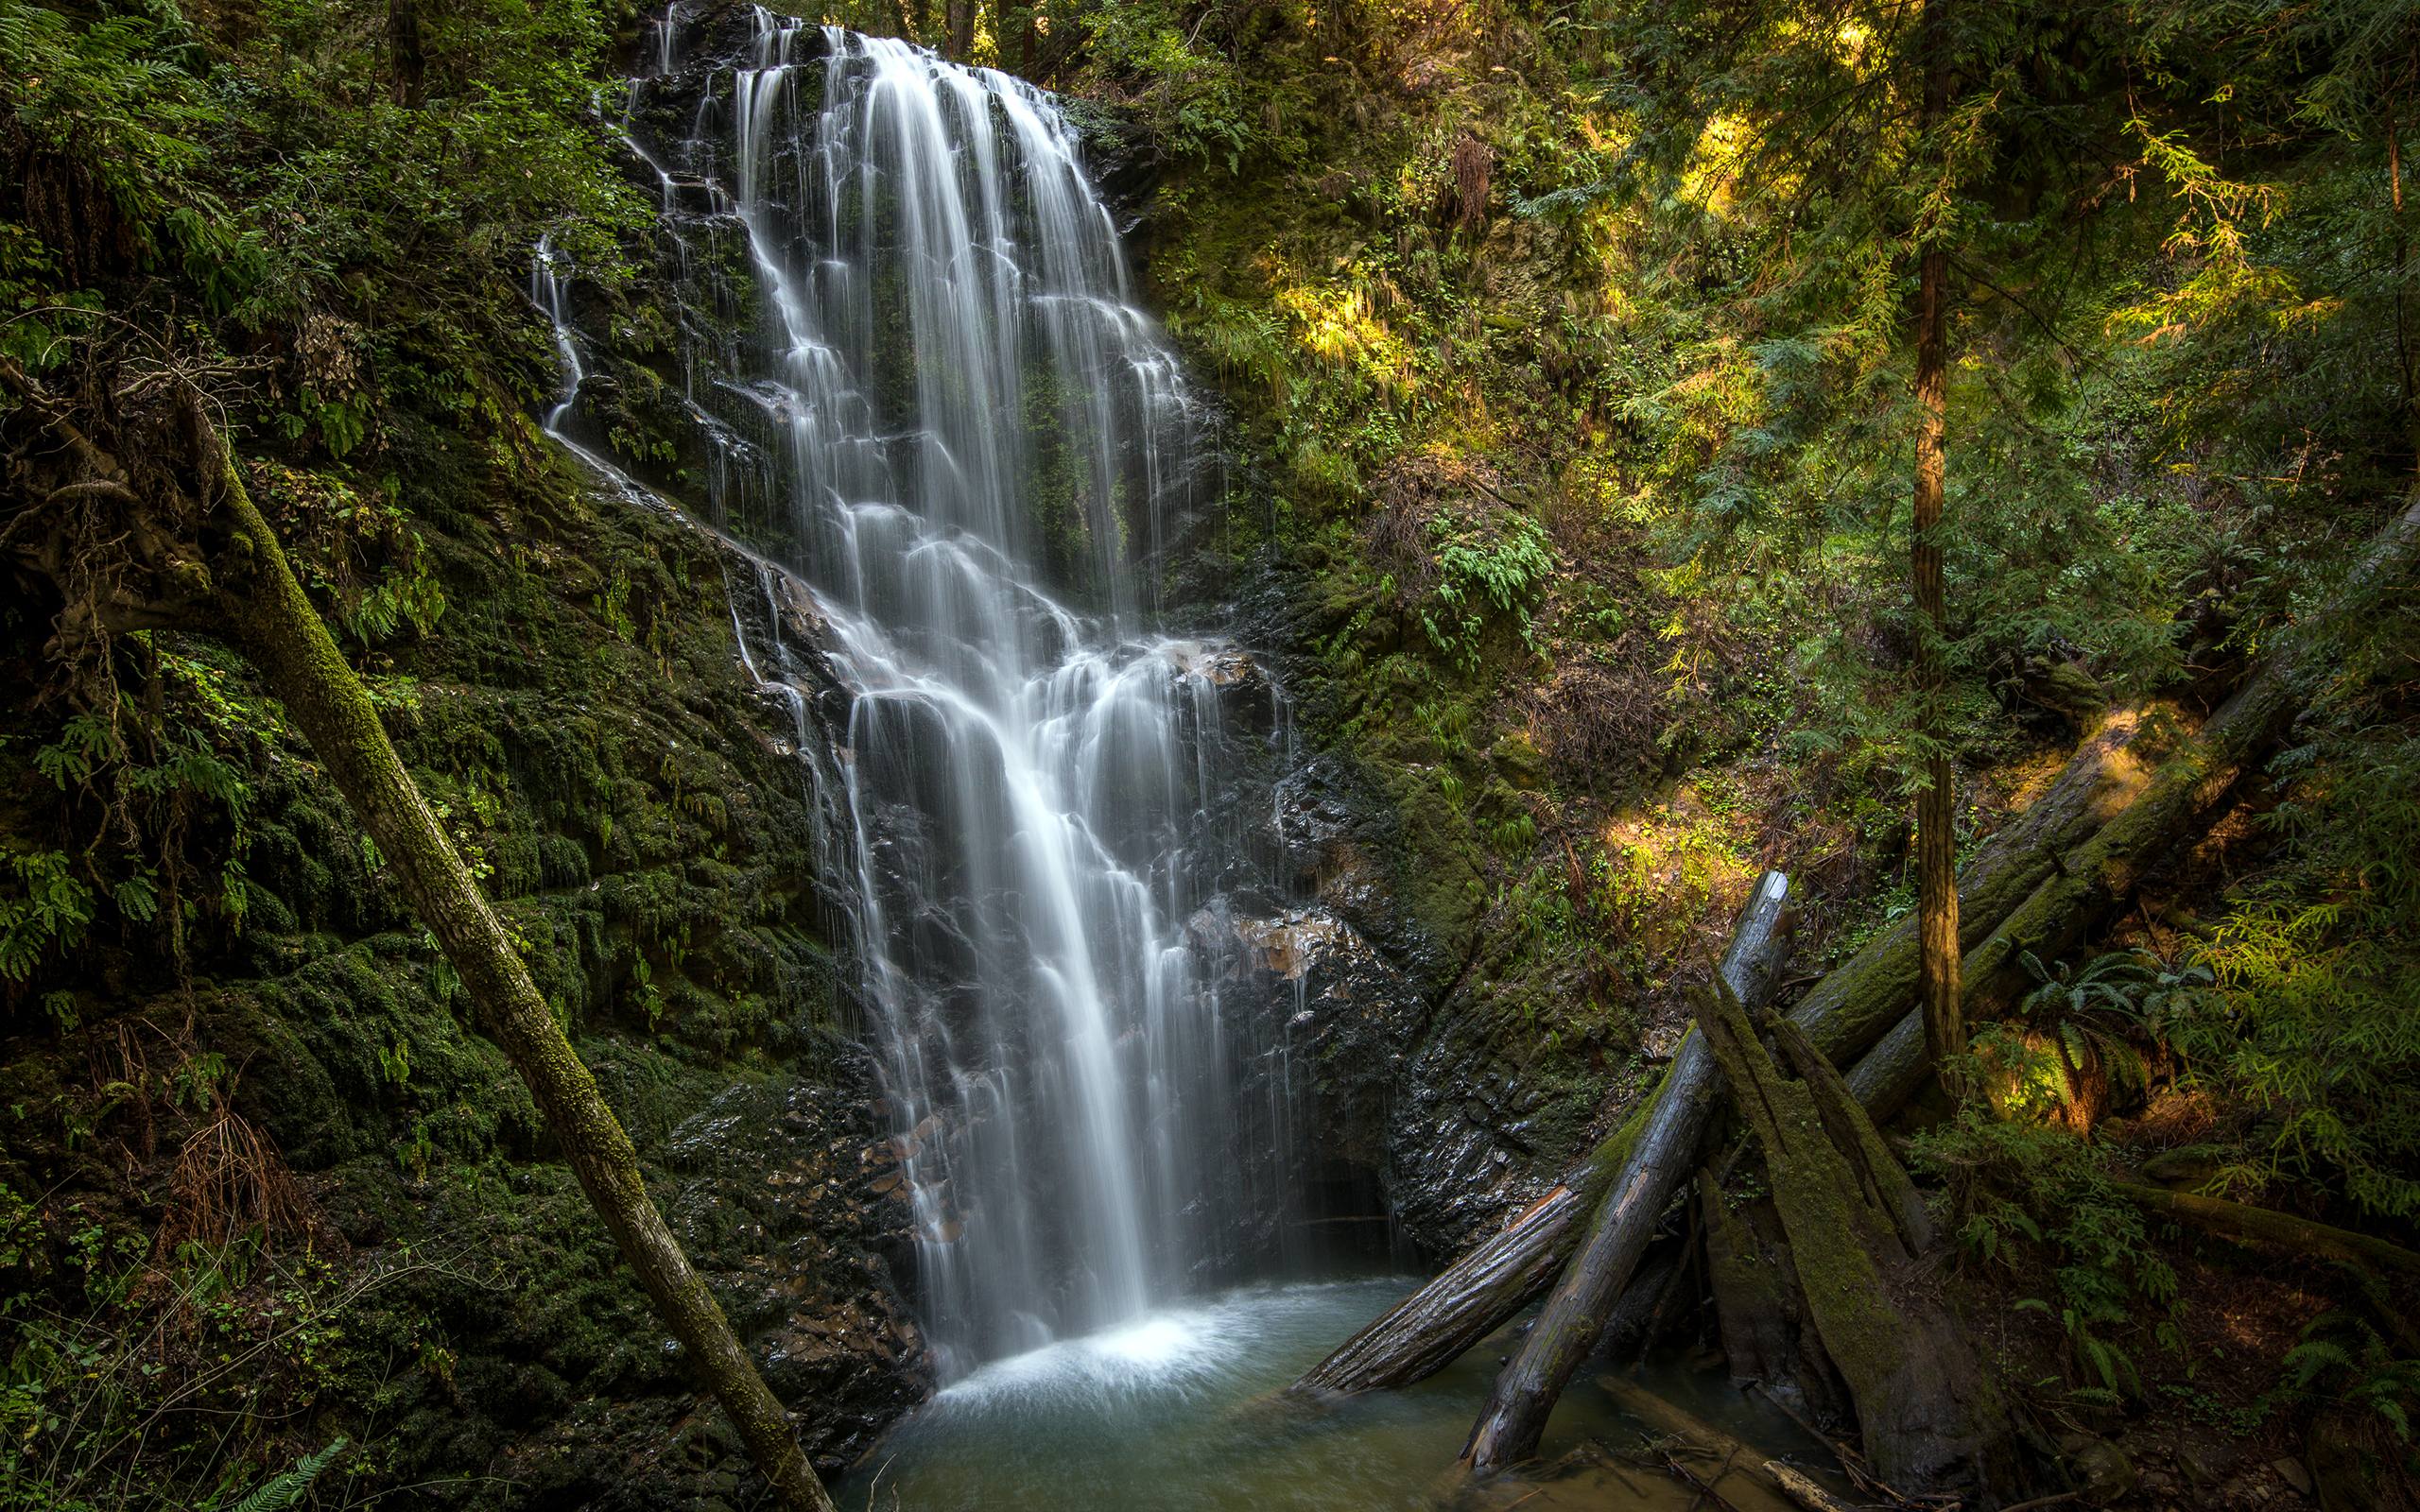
<point>1705,1488</point>
<point>2052,1499</point>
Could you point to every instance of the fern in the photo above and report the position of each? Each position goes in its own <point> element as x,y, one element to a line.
<point>286,1488</point>
<point>2342,1360</point>
<point>2016,1181</point>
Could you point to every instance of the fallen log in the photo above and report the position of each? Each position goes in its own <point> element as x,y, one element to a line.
<point>1510,1269</point>
<point>2173,798</point>
<point>266,614</point>
<point>1493,1281</point>
<point>1472,1299</point>
<point>186,547</point>
<point>1673,1130</point>
<point>2268,1228</point>
<point>2055,871</point>
<point>1666,1417</point>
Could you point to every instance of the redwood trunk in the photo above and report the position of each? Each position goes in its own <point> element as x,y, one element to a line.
<point>1936,802</point>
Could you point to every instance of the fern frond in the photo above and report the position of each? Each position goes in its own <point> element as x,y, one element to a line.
<point>284,1490</point>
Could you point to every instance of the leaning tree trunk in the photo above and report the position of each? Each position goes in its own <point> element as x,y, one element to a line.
<point>263,609</point>
<point>2039,884</point>
<point>1931,1417</point>
<point>1625,1219</point>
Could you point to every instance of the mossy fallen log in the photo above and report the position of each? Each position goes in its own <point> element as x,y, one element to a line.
<point>2269,1228</point>
<point>2168,797</point>
<point>2119,804</point>
<point>1510,1268</point>
<point>274,625</point>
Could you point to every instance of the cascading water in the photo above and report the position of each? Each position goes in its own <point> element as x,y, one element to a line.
<point>946,447</point>
<point>935,411</point>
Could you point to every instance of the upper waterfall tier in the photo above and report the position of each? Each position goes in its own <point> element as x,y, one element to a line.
<point>945,323</point>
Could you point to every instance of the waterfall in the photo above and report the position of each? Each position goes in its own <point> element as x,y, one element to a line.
<point>933,410</point>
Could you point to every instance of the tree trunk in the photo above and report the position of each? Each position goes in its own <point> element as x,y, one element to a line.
<point>263,607</point>
<point>1936,802</point>
<point>1477,1295</point>
<point>407,61</point>
<point>2087,884</point>
<point>1931,1417</point>
<point>1761,1306</point>
<point>1524,1394</point>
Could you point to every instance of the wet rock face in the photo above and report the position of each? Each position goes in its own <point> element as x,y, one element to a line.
<point>1337,838</point>
<point>1462,1147</point>
<point>784,1205</point>
<point>777,1193</point>
<point>1312,1016</point>
<point>1379,1095</point>
<point>1123,160</point>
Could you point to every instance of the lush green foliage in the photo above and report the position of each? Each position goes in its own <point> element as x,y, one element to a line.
<point>324,217</point>
<point>1567,347</point>
<point>2318,1025</point>
<point>302,183</point>
<point>1674,337</point>
<point>2014,1183</point>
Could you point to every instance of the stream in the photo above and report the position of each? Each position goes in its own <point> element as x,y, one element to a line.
<point>1178,1411</point>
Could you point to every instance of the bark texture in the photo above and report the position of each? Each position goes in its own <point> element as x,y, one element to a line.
<point>1936,804</point>
<point>1760,1307</point>
<point>2268,1228</point>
